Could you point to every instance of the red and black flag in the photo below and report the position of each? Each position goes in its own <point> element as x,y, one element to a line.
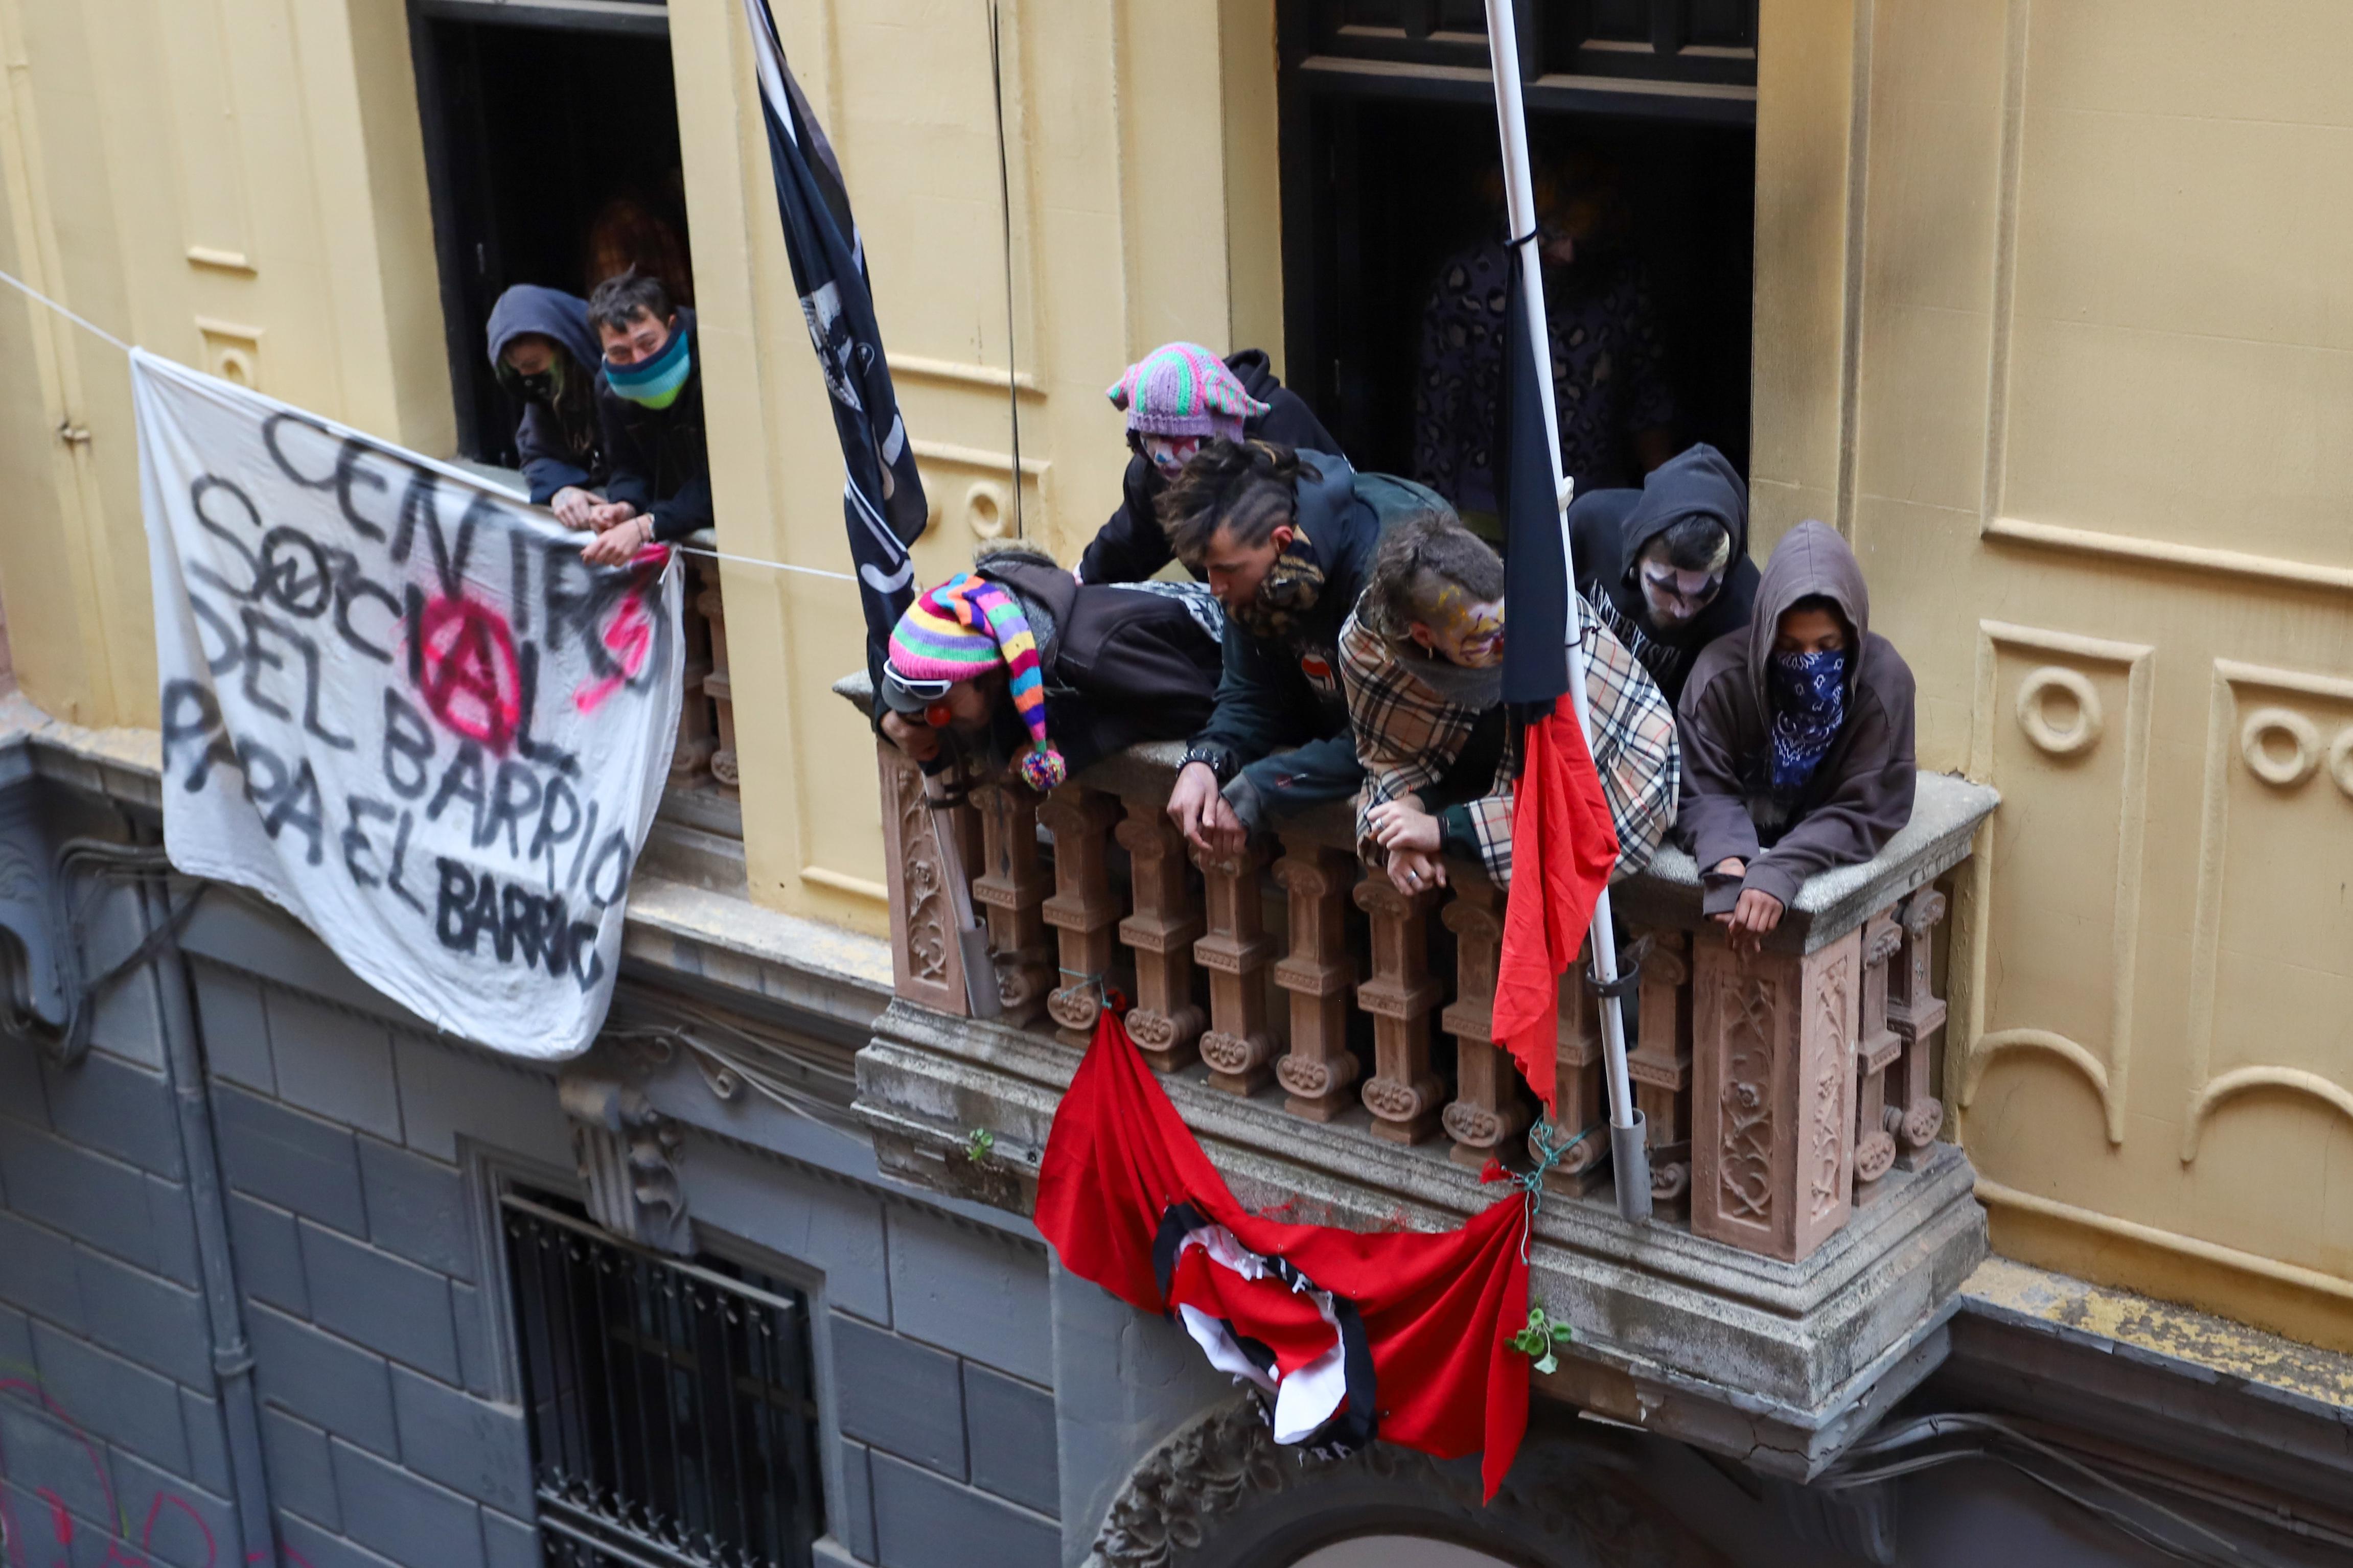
<point>1564,845</point>
<point>883,500</point>
<point>1405,1335</point>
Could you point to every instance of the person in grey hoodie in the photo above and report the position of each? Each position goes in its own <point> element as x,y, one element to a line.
<point>1667,566</point>
<point>546,354</point>
<point>1796,738</point>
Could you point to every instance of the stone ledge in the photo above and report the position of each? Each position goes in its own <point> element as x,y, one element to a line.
<point>1778,1364</point>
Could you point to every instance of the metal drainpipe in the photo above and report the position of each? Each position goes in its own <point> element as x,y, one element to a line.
<point>183,1060</point>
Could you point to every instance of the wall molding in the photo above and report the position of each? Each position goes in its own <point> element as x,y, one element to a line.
<point>2165,552</point>
<point>1995,1195</point>
<point>2109,1079</point>
<point>2207,1091</point>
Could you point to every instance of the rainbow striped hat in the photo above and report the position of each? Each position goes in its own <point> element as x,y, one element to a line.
<point>1183,389</point>
<point>962,629</point>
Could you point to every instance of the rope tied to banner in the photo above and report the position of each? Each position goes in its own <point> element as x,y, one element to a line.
<point>86,324</point>
<point>1531,1182</point>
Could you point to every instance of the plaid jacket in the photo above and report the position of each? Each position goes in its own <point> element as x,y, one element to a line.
<point>1408,736</point>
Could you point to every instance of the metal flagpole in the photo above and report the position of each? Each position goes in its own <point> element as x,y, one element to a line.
<point>1629,1159</point>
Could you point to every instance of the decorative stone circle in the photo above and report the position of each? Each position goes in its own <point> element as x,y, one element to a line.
<point>2254,746</point>
<point>2034,718</point>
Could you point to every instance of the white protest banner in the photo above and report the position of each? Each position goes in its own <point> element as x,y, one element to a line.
<point>397,703</point>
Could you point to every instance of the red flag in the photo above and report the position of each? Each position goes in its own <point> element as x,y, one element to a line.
<point>1421,1322</point>
<point>1564,847</point>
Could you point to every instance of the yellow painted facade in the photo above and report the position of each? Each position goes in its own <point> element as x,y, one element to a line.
<point>2053,317</point>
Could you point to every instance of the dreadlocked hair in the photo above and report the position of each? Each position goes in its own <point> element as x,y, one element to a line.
<point>1420,558</point>
<point>1248,488</point>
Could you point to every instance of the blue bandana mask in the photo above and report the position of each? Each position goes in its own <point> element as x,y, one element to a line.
<point>655,383</point>
<point>1807,693</point>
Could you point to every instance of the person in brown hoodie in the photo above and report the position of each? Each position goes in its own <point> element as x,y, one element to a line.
<point>1797,738</point>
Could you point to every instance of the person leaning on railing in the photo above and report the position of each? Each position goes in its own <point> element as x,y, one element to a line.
<point>1423,662</point>
<point>1797,733</point>
<point>1285,539</point>
<point>1030,675</point>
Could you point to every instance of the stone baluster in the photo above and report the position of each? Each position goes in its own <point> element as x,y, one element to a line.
<point>1487,1109</point>
<point>690,757</point>
<point>1581,1098</point>
<point>717,685</point>
<point>1660,1065</point>
<point>1403,1094</point>
<point>1164,1023</point>
<point>1082,909</point>
<point>1773,1046</point>
<point>1319,1073</point>
<point>1916,1014</point>
<point>926,963</point>
<point>1877,1047</point>
<point>1009,894</point>
<point>1238,1045</point>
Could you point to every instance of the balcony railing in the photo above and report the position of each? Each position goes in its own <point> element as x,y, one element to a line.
<point>1789,1096</point>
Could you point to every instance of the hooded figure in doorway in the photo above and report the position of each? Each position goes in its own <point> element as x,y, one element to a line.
<point>1667,565</point>
<point>545,354</point>
<point>1797,737</point>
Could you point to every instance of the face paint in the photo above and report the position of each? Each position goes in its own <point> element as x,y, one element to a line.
<point>1170,453</point>
<point>1673,596</point>
<point>1466,632</point>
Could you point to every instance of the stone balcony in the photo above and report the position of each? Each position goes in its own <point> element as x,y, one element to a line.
<point>1325,1038</point>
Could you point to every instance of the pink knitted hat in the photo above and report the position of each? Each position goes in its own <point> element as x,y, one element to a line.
<point>1183,389</point>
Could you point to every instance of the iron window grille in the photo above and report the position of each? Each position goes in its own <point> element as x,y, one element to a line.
<point>673,1419</point>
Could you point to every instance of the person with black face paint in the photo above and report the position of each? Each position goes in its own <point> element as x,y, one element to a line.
<point>1667,566</point>
<point>546,354</point>
<point>650,404</point>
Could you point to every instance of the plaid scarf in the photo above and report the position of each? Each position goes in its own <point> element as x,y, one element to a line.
<point>1286,594</point>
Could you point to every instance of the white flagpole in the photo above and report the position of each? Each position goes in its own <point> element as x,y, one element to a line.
<point>1629,1159</point>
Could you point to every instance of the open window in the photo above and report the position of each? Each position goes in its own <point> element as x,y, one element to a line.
<point>1390,168</point>
<point>551,149</point>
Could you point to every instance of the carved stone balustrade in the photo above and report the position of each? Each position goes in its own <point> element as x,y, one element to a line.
<point>1082,910</point>
<point>1318,1028</point>
<point>1165,1023</point>
<point>1319,1071</point>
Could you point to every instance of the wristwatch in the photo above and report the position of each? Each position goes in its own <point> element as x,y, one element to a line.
<point>1218,759</point>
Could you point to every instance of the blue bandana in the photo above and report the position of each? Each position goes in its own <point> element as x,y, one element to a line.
<point>655,383</point>
<point>1808,692</point>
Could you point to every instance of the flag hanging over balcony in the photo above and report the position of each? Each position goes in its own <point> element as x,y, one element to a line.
<point>883,500</point>
<point>1404,1335</point>
<point>1564,845</point>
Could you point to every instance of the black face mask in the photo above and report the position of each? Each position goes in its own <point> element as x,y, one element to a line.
<point>543,387</point>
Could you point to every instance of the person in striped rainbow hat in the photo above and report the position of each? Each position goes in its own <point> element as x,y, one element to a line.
<point>1041,674</point>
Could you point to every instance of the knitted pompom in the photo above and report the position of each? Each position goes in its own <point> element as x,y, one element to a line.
<point>1042,768</point>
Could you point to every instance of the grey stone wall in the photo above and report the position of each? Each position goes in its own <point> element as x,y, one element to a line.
<point>356,1148</point>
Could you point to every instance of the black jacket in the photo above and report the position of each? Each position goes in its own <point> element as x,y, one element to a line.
<point>1121,664</point>
<point>1607,530</point>
<point>1285,692</point>
<point>1130,546</point>
<point>661,464</point>
<point>561,446</point>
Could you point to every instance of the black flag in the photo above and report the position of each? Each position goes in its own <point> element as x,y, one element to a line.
<point>1527,492</point>
<point>883,500</point>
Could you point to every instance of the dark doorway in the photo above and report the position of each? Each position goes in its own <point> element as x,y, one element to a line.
<point>1388,172</point>
<point>552,153</point>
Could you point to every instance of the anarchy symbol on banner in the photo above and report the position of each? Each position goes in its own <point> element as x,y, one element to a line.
<point>469,675</point>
